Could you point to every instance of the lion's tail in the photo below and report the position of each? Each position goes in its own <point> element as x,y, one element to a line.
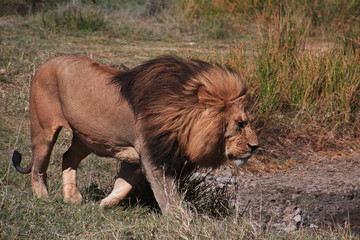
<point>16,159</point>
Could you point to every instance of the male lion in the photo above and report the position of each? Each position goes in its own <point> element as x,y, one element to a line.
<point>161,119</point>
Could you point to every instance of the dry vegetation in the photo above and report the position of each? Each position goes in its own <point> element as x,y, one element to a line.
<point>301,58</point>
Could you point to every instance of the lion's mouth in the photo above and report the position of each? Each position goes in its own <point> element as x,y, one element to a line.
<point>239,161</point>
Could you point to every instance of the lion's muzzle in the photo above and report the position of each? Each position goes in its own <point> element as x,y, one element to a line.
<point>241,159</point>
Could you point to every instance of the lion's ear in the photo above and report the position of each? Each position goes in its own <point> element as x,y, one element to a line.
<point>204,96</point>
<point>206,99</point>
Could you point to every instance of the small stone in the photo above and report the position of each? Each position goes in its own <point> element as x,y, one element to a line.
<point>297,218</point>
<point>290,228</point>
<point>313,226</point>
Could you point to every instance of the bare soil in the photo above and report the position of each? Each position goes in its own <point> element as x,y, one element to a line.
<point>319,190</point>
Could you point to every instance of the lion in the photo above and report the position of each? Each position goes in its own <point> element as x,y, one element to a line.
<point>161,119</point>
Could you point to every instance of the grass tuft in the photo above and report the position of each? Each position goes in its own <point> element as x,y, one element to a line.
<point>207,196</point>
<point>74,17</point>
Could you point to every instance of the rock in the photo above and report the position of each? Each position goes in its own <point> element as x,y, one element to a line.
<point>294,217</point>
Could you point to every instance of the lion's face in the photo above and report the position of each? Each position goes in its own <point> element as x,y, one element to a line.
<point>240,138</point>
<point>222,134</point>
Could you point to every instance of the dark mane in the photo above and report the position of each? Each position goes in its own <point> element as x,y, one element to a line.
<point>143,85</point>
<point>163,94</point>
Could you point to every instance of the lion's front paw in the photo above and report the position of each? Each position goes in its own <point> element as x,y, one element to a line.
<point>72,196</point>
<point>109,201</point>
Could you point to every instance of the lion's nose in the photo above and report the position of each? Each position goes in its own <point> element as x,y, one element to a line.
<point>253,147</point>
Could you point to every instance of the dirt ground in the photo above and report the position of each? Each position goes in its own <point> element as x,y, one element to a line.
<point>315,192</point>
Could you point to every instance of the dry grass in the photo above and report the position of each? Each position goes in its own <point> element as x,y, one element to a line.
<point>303,98</point>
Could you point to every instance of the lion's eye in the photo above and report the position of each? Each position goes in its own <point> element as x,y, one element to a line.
<point>241,124</point>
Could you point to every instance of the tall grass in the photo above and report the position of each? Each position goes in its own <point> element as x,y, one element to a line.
<point>210,17</point>
<point>220,18</point>
<point>216,19</point>
<point>322,86</point>
<point>325,85</point>
<point>74,16</point>
<point>315,93</point>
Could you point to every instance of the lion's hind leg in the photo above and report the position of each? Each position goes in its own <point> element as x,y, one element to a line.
<point>71,160</point>
<point>42,145</point>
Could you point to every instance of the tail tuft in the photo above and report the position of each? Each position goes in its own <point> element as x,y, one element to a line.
<point>16,159</point>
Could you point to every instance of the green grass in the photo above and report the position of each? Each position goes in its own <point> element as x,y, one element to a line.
<point>307,95</point>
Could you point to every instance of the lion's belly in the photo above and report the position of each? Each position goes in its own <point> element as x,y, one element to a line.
<point>102,145</point>
<point>121,150</point>
<point>105,134</point>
